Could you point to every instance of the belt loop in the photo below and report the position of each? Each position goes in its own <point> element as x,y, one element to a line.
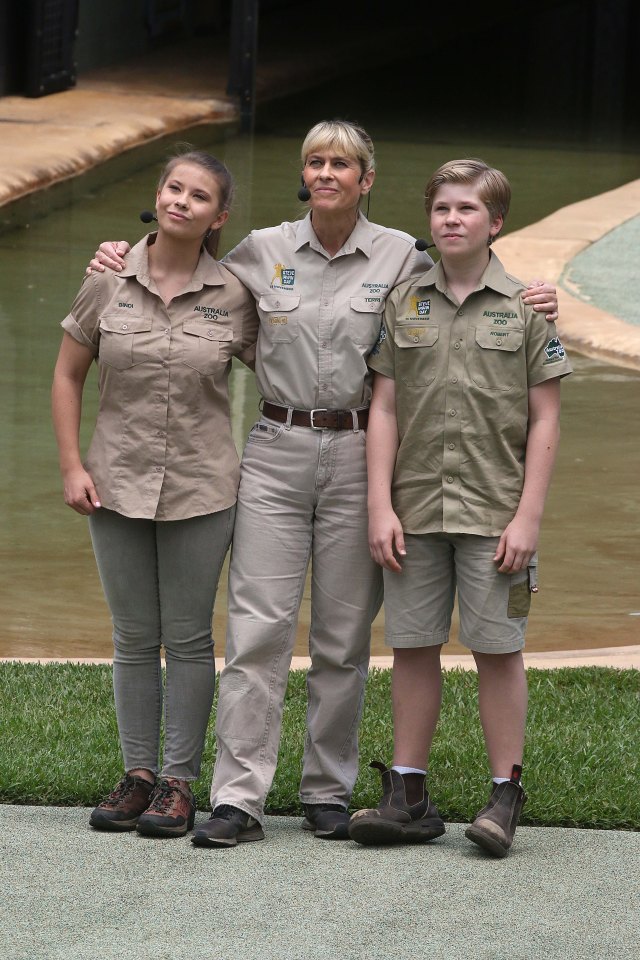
<point>354,417</point>
<point>287,425</point>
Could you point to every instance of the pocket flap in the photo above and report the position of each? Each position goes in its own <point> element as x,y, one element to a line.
<point>367,304</point>
<point>506,339</point>
<point>210,331</point>
<point>416,335</point>
<point>278,301</point>
<point>116,323</point>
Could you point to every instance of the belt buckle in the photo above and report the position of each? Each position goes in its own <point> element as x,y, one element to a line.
<point>313,412</point>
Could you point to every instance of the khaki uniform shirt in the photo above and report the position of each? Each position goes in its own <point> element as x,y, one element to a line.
<point>320,315</point>
<point>162,447</point>
<point>462,374</point>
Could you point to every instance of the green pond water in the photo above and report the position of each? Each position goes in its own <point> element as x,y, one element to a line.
<point>51,602</point>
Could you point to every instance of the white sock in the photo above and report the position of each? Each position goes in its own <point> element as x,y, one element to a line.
<point>500,780</point>
<point>401,770</point>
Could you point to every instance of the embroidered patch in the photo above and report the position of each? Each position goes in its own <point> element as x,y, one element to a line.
<point>381,339</point>
<point>283,276</point>
<point>554,351</point>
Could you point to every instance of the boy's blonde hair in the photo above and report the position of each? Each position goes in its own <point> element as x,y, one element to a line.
<point>346,138</point>
<point>493,187</point>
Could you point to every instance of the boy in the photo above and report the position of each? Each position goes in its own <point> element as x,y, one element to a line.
<point>462,439</point>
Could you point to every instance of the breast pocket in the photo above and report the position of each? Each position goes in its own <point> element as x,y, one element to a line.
<point>206,346</point>
<point>365,318</point>
<point>124,341</point>
<point>416,360</point>
<point>495,357</point>
<point>279,318</point>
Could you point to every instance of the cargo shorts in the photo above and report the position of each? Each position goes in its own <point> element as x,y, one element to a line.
<point>493,607</point>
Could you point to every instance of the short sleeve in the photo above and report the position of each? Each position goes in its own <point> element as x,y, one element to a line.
<point>546,356</point>
<point>82,322</point>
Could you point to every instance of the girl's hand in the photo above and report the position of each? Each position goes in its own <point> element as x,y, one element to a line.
<point>80,493</point>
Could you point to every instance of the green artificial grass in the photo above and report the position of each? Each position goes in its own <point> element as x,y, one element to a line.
<point>59,744</point>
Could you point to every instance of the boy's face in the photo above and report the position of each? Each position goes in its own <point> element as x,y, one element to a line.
<point>460,222</point>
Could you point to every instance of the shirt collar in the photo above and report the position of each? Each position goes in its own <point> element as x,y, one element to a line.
<point>360,238</point>
<point>494,276</point>
<point>207,273</point>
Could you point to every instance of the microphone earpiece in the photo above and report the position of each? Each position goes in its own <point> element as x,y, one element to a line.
<point>304,193</point>
<point>146,216</point>
<point>421,244</point>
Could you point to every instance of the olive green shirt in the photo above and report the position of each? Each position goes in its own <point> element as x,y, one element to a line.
<point>162,447</point>
<point>462,374</point>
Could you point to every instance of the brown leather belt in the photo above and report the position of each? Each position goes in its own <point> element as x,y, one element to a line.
<point>319,419</point>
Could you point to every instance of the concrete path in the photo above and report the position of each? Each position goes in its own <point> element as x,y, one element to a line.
<point>71,893</point>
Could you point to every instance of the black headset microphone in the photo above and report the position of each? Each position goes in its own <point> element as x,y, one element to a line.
<point>421,244</point>
<point>146,216</point>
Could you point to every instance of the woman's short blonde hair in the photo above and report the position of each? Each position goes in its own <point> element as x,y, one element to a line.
<point>493,187</point>
<point>345,137</point>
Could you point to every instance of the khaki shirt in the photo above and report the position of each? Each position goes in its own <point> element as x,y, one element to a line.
<point>162,447</point>
<point>462,374</point>
<point>320,315</point>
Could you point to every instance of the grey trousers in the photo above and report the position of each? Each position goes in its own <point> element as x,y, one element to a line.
<point>302,497</point>
<point>160,580</point>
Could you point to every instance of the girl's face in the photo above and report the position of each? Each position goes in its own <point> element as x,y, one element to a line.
<point>335,181</point>
<point>188,202</point>
<point>460,221</point>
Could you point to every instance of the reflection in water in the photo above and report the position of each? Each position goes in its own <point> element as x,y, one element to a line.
<point>52,604</point>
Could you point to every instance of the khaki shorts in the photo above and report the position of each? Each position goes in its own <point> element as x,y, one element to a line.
<point>419,601</point>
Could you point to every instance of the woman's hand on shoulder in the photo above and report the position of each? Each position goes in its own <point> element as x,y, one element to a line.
<point>80,493</point>
<point>543,297</point>
<point>109,254</point>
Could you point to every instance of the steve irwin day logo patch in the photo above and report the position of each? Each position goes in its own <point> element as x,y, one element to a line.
<point>420,306</point>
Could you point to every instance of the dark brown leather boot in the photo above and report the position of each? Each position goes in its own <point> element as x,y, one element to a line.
<point>122,809</point>
<point>495,825</point>
<point>394,820</point>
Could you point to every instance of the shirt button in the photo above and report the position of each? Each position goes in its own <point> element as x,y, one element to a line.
<point>456,345</point>
<point>168,331</point>
<point>449,479</point>
<point>159,433</point>
<point>454,379</point>
<point>125,326</point>
<point>461,313</point>
<point>452,446</point>
<point>452,413</point>
<point>209,333</point>
<point>164,363</point>
<point>161,398</point>
<point>158,469</point>
<point>416,339</point>
<point>499,343</point>
<point>277,303</point>
<point>324,344</point>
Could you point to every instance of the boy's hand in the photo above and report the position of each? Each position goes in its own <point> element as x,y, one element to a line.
<point>517,545</point>
<point>543,297</point>
<point>385,532</point>
<point>109,254</point>
<point>80,493</point>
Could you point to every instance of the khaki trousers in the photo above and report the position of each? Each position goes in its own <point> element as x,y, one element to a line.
<point>302,497</point>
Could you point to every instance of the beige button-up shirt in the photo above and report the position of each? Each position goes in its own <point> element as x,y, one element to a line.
<point>320,315</point>
<point>462,375</point>
<point>162,447</point>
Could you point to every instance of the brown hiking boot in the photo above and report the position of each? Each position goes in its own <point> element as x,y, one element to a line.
<point>394,820</point>
<point>494,827</point>
<point>171,811</point>
<point>124,805</point>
